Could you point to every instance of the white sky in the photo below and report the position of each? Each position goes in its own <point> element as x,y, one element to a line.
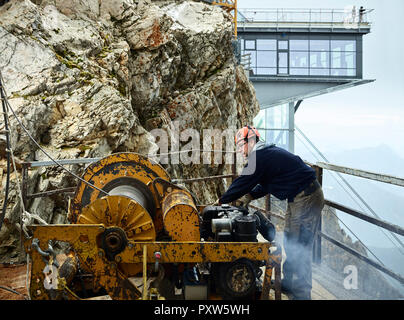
<point>370,114</point>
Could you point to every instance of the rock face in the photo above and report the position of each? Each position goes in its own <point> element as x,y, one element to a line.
<point>90,78</point>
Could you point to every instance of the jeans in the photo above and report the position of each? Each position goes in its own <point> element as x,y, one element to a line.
<point>301,224</point>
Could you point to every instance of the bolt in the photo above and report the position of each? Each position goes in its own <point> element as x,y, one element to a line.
<point>118,259</point>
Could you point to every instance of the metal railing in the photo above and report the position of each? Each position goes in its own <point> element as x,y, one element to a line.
<point>245,61</point>
<point>319,167</point>
<point>306,16</point>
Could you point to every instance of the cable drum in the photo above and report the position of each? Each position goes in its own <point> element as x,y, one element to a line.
<point>123,174</point>
<point>133,189</point>
<point>130,192</point>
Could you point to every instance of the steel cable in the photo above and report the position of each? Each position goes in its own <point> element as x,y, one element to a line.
<point>359,197</point>
<point>13,291</point>
<point>7,187</point>
<point>329,210</point>
<point>40,148</point>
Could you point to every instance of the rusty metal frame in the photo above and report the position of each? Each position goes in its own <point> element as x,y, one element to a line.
<point>272,262</point>
<point>83,239</point>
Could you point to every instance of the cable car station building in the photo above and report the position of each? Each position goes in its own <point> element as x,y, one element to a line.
<point>292,55</point>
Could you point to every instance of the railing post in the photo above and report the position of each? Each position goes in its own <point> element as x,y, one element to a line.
<point>234,167</point>
<point>234,171</point>
<point>277,18</point>
<point>268,206</point>
<point>317,239</point>
<point>24,184</point>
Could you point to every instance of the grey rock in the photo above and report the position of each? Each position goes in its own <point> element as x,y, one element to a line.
<point>90,78</point>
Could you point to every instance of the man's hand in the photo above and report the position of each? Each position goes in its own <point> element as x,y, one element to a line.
<point>245,200</point>
<point>217,203</point>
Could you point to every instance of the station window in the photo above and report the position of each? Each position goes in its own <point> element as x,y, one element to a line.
<point>266,44</point>
<point>299,59</point>
<point>283,45</point>
<point>319,45</point>
<point>266,59</point>
<point>343,45</point>
<point>302,57</point>
<point>249,45</point>
<point>299,45</point>
<point>319,59</point>
<point>343,59</point>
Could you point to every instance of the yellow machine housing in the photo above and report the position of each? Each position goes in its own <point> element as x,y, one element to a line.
<point>140,224</point>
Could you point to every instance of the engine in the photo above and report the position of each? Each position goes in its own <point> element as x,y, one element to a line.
<point>239,279</point>
<point>227,223</point>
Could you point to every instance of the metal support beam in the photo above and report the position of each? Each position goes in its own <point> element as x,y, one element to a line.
<point>204,179</point>
<point>291,134</point>
<point>297,105</point>
<point>364,258</point>
<point>50,193</point>
<point>274,91</point>
<point>363,174</point>
<point>33,164</point>
<point>362,216</point>
<point>317,239</point>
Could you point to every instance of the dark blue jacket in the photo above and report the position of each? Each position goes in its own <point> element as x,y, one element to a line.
<point>277,172</point>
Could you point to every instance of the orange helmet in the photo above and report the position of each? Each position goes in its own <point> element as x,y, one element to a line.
<point>246,133</point>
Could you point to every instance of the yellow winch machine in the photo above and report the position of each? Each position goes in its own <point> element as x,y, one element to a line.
<point>136,235</point>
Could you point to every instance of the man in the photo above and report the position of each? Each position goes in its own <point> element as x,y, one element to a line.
<point>361,13</point>
<point>273,170</point>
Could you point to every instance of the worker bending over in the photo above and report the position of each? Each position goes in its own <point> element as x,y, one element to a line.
<point>273,170</point>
